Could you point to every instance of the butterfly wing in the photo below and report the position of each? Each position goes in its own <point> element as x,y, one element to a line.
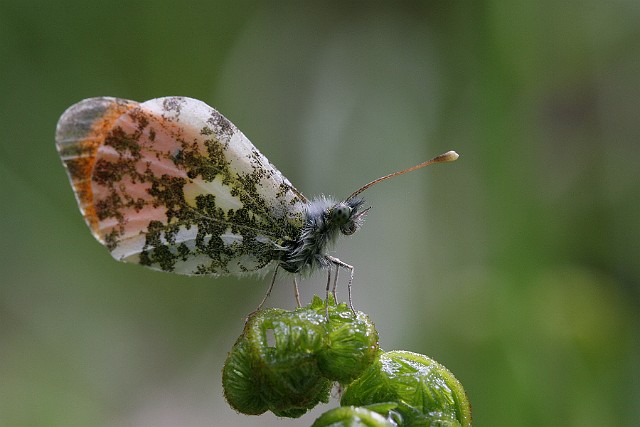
<point>173,185</point>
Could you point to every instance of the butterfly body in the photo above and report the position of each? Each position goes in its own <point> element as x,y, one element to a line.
<point>325,221</point>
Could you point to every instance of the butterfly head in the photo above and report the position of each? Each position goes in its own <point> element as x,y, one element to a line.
<point>347,215</point>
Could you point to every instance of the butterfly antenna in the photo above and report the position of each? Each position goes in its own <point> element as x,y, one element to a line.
<point>449,156</point>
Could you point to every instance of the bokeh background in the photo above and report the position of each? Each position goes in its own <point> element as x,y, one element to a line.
<point>517,267</point>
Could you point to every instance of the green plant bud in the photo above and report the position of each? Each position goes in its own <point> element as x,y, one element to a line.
<point>350,344</point>
<point>273,365</point>
<point>239,382</point>
<point>425,391</point>
<point>353,416</point>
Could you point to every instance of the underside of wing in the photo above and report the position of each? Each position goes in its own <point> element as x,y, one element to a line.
<point>172,184</point>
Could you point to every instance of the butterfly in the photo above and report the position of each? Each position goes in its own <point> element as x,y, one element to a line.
<point>171,184</point>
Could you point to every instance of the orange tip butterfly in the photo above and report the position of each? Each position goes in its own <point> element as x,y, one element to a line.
<point>173,185</point>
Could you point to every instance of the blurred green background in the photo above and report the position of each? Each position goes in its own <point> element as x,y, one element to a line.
<point>517,267</point>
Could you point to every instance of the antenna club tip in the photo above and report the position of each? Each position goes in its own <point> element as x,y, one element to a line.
<point>449,156</point>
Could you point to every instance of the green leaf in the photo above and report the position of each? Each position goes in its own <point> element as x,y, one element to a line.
<point>350,345</point>
<point>286,362</point>
<point>352,416</point>
<point>273,365</point>
<point>425,391</point>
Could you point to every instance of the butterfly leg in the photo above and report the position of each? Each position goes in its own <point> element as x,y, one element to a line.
<point>335,261</point>
<point>266,296</point>
<point>296,291</point>
<point>326,298</point>
<point>335,284</point>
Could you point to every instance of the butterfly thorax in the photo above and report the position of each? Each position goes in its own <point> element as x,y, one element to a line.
<point>325,220</point>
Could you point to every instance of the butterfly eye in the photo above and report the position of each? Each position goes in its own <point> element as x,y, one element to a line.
<point>349,228</point>
<point>356,218</point>
<point>341,213</point>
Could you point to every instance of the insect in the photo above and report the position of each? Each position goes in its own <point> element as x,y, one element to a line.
<point>171,184</point>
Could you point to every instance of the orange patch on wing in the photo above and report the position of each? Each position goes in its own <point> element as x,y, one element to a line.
<point>82,162</point>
